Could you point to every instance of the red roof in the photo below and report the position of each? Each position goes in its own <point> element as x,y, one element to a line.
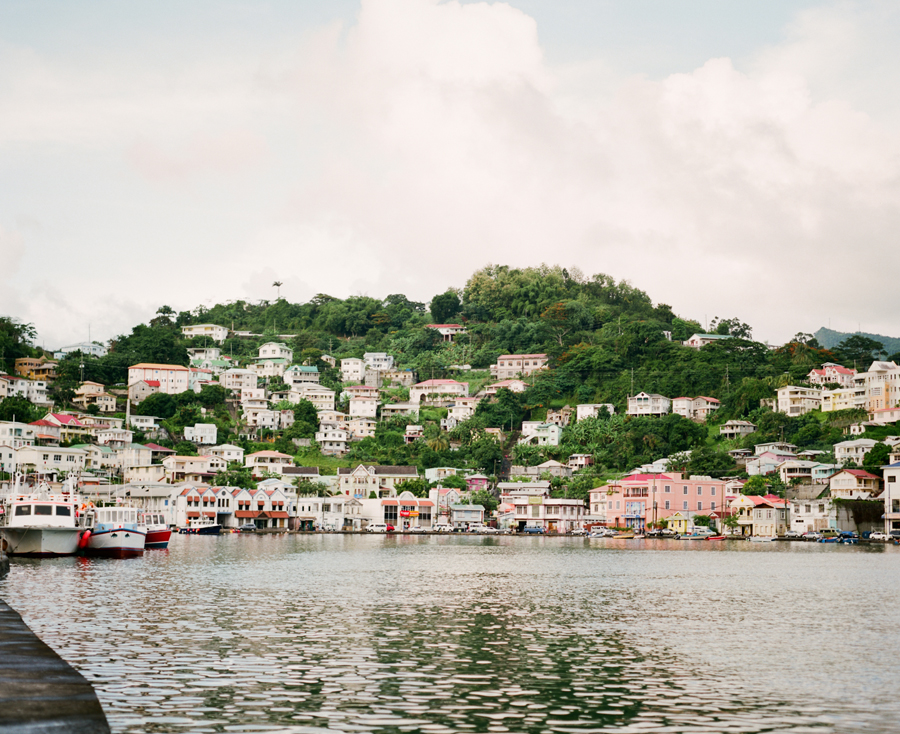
<point>645,477</point>
<point>151,383</point>
<point>66,419</point>
<point>389,502</point>
<point>444,326</point>
<point>42,422</point>
<point>861,473</point>
<point>439,382</point>
<point>522,356</point>
<point>157,447</point>
<point>277,513</point>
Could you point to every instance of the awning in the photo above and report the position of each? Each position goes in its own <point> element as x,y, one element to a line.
<point>246,513</point>
<point>209,514</point>
<point>392,503</point>
<point>426,503</point>
<point>193,514</point>
<point>277,514</point>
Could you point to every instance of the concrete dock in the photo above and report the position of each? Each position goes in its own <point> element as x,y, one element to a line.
<point>40,692</point>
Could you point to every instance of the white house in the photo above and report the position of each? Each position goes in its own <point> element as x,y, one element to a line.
<point>794,401</point>
<point>90,348</point>
<point>891,495</point>
<point>202,433</point>
<point>592,410</point>
<point>332,439</point>
<point>270,461</point>
<point>438,392</point>
<point>447,331</point>
<point>696,409</point>
<point>854,484</point>
<point>213,331</point>
<point>15,434</point>
<point>275,350</point>
<point>50,459</point>
<point>698,341</point>
<point>360,428</point>
<point>380,361</point>
<point>362,480</point>
<point>321,397</point>
<point>853,451</point>
<point>736,429</point>
<point>363,407</point>
<point>539,433</point>
<point>515,365</point>
<point>299,374</point>
<point>648,404</point>
<point>172,378</point>
<point>882,383</point>
<point>228,452</point>
<point>388,410</point>
<point>353,370</point>
<point>238,379</point>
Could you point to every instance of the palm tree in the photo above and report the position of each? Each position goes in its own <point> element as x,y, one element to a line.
<point>439,442</point>
<point>277,284</point>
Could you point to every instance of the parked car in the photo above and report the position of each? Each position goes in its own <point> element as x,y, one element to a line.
<point>578,531</point>
<point>491,531</point>
<point>443,528</point>
<point>668,532</point>
<point>416,529</point>
<point>378,527</point>
<point>895,534</point>
<point>475,528</point>
<point>829,533</point>
<point>247,527</point>
<point>848,534</point>
<point>793,535</point>
<point>879,536</point>
<point>533,530</point>
<point>811,535</point>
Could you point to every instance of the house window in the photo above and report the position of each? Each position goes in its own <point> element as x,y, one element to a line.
<point>667,505</point>
<point>685,504</point>
<point>699,505</point>
<point>685,490</point>
<point>699,491</point>
<point>668,488</point>
<point>712,506</point>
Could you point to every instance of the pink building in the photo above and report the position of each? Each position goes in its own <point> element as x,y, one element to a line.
<point>476,482</point>
<point>832,373</point>
<point>641,499</point>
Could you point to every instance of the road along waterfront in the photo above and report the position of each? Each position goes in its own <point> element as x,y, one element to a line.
<point>477,634</point>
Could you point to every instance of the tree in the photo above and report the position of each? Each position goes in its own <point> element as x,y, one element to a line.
<point>454,481</point>
<point>16,341</point>
<point>484,498</point>
<point>731,327</point>
<point>859,349</point>
<point>445,307</point>
<point>418,486</point>
<point>877,457</point>
<point>707,461</point>
<point>305,411</point>
<point>160,404</point>
<point>755,485</point>
<point>19,409</point>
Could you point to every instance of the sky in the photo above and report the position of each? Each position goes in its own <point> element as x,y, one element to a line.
<point>731,159</point>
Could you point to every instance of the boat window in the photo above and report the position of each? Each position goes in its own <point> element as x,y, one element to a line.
<point>64,510</point>
<point>23,510</point>
<point>43,509</point>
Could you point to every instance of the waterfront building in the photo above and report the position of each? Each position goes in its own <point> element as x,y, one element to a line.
<point>267,506</point>
<point>463,516</point>
<point>402,511</point>
<point>363,481</point>
<point>640,500</point>
<point>766,517</point>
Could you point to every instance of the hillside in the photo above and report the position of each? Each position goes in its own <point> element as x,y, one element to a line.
<point>829,339</point>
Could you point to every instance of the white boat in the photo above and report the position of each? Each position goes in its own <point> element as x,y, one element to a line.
<point>158,532</point>
<point>760,539</point>
<point>114,531</point>
<point>40,524</point>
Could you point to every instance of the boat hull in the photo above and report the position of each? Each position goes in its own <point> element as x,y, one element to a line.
<point>157,539</point>
<point>118,543</point>
<point>40,542</point>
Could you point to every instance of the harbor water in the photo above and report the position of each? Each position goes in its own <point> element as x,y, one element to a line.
<point>362,633</point>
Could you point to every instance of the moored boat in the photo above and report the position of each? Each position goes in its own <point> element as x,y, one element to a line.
<point>201,526</point>
<point>158,532</point>
<point>40,524</point>
<point>115,531</point>
<point>761,539</point>
<point>715,537</point>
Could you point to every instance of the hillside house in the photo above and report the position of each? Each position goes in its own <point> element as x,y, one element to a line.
<point>592,410</point>
<point>517,365</point>
<point>795,401</point>
<point>171,379</point>
<point>438,392</point>
<point>447,331</point>
<point>698,341</point>
<point>832,373</point>
<point>214,332</point>
<point>649,404</point>
<point>736,429</point>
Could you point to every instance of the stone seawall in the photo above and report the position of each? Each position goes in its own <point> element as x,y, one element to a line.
<point>39,691</point>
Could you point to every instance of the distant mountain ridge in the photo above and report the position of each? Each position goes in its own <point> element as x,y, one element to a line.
<point>828,339</point>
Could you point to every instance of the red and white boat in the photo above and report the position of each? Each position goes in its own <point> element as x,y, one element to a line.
<point>114,531</point>
<point>158,532</point>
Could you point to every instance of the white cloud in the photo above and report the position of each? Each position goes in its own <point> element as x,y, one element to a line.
<point>431,138</point>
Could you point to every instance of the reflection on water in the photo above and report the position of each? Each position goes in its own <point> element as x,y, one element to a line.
<point>455,634</point>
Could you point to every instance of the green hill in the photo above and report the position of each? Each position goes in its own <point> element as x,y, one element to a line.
<point>829,339</point>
